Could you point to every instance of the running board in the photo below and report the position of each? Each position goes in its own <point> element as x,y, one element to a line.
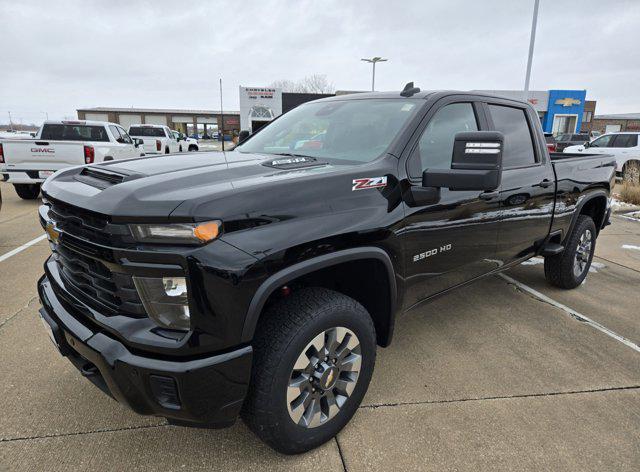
<point>551,249</point>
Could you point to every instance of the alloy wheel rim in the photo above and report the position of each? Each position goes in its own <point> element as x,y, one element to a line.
<point>323,377</point>
<point>583,253</point>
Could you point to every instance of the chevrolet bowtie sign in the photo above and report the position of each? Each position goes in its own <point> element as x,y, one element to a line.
<point>567,102</point>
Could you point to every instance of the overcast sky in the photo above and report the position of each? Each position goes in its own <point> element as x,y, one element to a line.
<point>58,56</point>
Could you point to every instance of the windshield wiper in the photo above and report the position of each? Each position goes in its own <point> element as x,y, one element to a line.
<point>290,154</point>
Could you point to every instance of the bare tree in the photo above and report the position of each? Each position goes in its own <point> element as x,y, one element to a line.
<point>316,83</point>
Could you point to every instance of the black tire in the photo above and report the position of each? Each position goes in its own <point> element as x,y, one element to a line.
<point>281,336</point>
<point>569,268</point>
<point>180,149</point>
<point>631,173</point>
<point>166,150</point>
<point>27,191</point>
<point>193,148</point>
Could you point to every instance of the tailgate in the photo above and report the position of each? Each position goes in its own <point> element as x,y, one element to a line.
<point>42,155</point>
<point>150,144</point>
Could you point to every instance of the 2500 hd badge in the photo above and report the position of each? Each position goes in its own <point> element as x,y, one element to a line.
<point>258,284</point>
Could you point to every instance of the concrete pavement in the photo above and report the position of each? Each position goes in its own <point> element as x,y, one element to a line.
<point>485,378</point>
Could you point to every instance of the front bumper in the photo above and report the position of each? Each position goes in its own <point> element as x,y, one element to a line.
<point>205,392</point>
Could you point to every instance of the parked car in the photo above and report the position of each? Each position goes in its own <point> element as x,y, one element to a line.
<point>186,143</point>
<point>26,163</point>
<point>566,140</point>
<point>551,142</point>
<point>200,290</point>
<point>623,146</point>
<point>158,139</point>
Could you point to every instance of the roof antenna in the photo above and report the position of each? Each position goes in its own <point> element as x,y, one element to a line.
<point>409,90</point>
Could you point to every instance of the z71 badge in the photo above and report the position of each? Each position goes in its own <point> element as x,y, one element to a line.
<point>372,182</point>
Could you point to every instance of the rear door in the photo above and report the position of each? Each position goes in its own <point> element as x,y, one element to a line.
<point>527,192</point>
<point>452,241</point>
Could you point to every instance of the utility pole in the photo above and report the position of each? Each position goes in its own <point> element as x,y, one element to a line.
<point>221,116</point>
<point>373,61</point>
<point>10,122</point>
<point>532,42</point>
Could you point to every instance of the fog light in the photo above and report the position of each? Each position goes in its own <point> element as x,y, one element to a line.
<point>165,300</point>
<point>165,391</point>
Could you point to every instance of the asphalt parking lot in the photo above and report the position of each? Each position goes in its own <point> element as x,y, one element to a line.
<point>491,377</point>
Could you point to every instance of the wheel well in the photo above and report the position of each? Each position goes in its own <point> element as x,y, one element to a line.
<point>595,208</point>
<point>364,280</point>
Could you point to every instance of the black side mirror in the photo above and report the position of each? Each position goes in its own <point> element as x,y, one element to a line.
<point>243,136</point>
<point>476,163</point>
<point>137,142</point>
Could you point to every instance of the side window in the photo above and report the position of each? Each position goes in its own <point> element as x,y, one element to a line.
<point>602,142</point>
<point>124,135</point>
<point>624,141</point>
<point>518,145</point>
<point>435,147</point>
<point>116,133</point>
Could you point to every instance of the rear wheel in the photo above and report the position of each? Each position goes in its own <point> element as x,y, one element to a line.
<point>314,354</point>
<point>180,149</point>
<point>27,191</point>
<point>569,268</point>
<point>631,173</point>
<point>166,150</point>
<point>193,148</point>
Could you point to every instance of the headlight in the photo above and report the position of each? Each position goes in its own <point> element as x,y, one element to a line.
<point>177,233</point>
<point>165,300</point>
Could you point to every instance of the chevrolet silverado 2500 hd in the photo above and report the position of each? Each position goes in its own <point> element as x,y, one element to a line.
<point>258,283</point>
<point>26,163</point>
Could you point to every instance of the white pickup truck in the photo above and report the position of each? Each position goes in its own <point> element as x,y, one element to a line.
<point>158,139</point>
<point>26,163</point>
<point>186,143</point>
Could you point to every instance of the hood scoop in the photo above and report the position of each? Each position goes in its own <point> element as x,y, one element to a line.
<point>293,162</point>
<point>99,177</point>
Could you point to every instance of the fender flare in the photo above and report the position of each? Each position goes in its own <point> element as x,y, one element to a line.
<point>574,219</point>
<point>311,265</point>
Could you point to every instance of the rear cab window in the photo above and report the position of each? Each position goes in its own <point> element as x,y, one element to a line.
<point>146,132</point>
<point>74,132</point>
<point>518,143</point>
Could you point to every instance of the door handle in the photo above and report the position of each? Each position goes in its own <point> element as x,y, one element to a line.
<point>488,195</point>
<point>545,183</point>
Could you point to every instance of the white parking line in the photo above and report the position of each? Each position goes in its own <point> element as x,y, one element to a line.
<point>572,313</point>
<point>15,251</point>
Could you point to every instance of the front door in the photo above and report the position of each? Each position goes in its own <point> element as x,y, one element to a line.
<point>454,240</point>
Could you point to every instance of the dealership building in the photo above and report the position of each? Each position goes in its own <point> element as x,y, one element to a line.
<point>560,111</point>
<point>202,122</point>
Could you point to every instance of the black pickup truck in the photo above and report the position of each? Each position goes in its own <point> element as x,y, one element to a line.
<point>259,282</point>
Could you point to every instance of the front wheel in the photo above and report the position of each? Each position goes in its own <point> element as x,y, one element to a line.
<point>27,191</point>
<point>193,148</point>
<point>314,354</point>
<point>569,268</point>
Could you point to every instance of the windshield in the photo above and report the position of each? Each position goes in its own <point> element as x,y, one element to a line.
<point>350,130</point>
<point>146,132</point>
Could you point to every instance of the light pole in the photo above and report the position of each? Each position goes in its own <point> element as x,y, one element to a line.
<point>373,61</point>
<point>532,41</point>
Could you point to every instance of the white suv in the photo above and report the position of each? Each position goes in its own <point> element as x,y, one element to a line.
<point>624,146</point>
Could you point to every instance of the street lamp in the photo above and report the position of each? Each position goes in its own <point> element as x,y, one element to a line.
<point>373,61</point>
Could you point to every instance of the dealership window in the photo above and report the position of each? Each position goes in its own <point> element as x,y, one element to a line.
<point>586,116</point>
<point>518,145</point>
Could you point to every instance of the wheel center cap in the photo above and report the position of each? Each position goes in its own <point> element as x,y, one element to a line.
<point>327,376</point>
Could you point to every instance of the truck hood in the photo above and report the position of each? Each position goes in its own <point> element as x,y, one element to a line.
<point>194,186</point>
